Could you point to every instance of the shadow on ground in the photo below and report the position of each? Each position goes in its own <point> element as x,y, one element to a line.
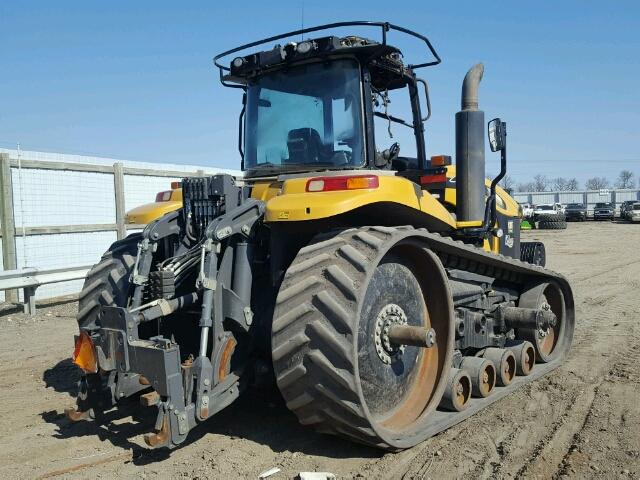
<point>63,377</point>
<point>259,416</point>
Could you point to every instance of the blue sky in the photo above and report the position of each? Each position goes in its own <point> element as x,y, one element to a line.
<point>135,80</point>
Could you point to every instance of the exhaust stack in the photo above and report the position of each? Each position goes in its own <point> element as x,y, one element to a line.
<point>470,163</point>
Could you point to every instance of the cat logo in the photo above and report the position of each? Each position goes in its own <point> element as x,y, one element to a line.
<point>283,215</point>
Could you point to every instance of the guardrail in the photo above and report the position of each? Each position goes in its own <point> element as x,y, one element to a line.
<point>29,279</point>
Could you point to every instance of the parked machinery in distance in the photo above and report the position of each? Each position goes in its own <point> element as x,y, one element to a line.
<point>527,210</point>
<point>626,209</point>
<point>634,213</point>
<point>576,211</point>
<point>544,210</point>
<point>604,211</point>
<point>549,216</point>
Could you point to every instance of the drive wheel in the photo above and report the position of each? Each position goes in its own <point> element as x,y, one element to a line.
<point>107,283</point>
<point>554,341</point>
<point>334,363</point>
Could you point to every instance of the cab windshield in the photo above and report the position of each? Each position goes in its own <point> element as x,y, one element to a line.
<point>305,118</point>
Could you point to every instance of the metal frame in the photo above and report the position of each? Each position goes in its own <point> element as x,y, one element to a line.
<point>224,285</point>
<point>384,26</point>
<point>417,122</point>
<point>29,279</point>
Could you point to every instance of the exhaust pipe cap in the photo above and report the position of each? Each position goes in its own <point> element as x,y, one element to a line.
<point>470,87</point>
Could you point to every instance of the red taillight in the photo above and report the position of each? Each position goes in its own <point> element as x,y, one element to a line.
<point>429,179</point>
<point>328,184</point>
<point>163,196</point>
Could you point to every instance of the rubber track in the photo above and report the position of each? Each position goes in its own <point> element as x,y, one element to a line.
<point>107,282</point>
<point>315,318</point>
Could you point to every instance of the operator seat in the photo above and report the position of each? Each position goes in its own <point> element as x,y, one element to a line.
<point>304,145</point>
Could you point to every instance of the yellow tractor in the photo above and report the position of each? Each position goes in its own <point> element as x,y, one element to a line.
<point>166,201</point>
<point>387,294</point>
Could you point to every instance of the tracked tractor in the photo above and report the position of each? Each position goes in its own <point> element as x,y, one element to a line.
<point>387,295</point>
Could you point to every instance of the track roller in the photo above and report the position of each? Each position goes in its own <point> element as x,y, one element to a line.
<point>525,356</point>
<point>482,373</point>
<point>505,363</point>
<point>553,341</point>
<point>458,391</point>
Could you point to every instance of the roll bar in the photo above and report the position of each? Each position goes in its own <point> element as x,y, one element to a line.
<point>384,26</point>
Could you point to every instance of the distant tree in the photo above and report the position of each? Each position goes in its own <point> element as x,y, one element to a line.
<point>572,185</point>
<point>507,183</point>
<point>625,179</point>
<point>540,183</point>
<point>597,183</point>
<point>559,183</point>
<point>525,187</point>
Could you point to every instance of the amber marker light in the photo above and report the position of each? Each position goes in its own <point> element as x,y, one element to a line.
<point>328,184</point>
<point>84,354</point>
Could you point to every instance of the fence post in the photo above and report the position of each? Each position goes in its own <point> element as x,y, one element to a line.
<point>7,222</point>
<point>118,185</point>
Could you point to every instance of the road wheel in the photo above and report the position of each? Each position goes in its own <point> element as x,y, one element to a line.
<point>553,342</point>
<point>107,282</point>
<point>333,361</point>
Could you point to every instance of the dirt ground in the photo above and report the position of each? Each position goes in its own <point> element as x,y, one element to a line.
<point>581,421</point>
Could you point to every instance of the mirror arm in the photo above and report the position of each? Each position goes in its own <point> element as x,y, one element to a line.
<point>241,130</point>
<point>426,96</point>
<point>491,214</point>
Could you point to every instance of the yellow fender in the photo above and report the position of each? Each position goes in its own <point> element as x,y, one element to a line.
<point>288,201</point>
<point>151,211</point>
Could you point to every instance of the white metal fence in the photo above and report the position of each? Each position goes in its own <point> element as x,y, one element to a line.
<point>59,210</point>
<point>585,197</point>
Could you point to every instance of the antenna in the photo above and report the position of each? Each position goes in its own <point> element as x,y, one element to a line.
<point>301,20</point>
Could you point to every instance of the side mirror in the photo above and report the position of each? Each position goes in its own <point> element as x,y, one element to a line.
<point>497,135</point>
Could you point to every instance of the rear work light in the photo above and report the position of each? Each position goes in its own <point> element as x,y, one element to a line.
<point>84,354</point>
<point>175,185</point>
<point>329,184</point>
<point>163,196</point>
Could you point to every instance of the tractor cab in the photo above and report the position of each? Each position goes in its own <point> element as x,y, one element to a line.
<point>310,105</point>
